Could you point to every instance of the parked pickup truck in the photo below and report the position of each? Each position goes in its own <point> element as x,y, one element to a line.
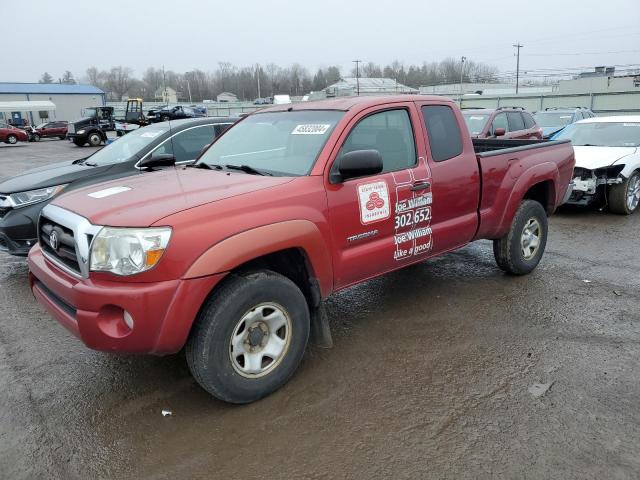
<point>234,255</point>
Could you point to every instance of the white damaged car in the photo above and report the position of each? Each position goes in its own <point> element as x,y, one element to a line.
<point>607,170</point>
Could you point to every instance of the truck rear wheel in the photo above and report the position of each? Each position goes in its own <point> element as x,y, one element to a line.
<point>249,337</point>
<point>95,139</point>
<point>624,197</point>
<point>521,249</point>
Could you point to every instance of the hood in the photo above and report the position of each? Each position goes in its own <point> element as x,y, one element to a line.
<point>47,176</point>
<point>144,199</point>
<point>599,157</point>
<point>548,131</point>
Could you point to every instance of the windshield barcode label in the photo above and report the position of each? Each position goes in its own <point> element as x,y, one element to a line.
<point>311,129</point>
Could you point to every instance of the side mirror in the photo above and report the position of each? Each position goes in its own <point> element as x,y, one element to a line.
<point>358,163</point>
<point>161,160</point>
<point>499,132</point>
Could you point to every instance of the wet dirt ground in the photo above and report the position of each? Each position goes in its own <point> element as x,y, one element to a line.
<point>432,375</point>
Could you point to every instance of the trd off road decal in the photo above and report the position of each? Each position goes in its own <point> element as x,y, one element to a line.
<point>374,202</point>
<point>412,221</point>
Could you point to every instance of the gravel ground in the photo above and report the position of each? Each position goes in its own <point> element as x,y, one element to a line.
<point>447,369</point>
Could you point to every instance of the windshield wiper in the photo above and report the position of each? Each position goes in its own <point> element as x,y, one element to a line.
<point>248,169</point>
<point>205,166</point>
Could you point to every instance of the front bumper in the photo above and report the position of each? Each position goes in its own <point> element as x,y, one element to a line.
<point>18,231</point>
<point>93,310</point>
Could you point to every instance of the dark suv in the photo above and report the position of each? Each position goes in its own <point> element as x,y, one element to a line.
<point>502,122</point>
<point>554,119</point>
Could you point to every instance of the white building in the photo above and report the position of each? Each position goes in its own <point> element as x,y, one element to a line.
<point>454,89</point>
<point>69,100</point>
<point>367,86</point>
<point>166,95</point>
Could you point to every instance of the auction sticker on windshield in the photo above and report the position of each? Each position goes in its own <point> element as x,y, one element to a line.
<point>374,202</point>
<point>311,129</point>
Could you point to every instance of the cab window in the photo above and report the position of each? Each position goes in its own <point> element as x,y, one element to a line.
<point>389,133</point>
<point>445,140</point>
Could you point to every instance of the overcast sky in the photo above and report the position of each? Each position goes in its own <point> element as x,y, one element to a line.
<point>187,34</point>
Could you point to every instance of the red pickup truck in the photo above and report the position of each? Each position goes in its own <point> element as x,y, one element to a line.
<point>234,255</point>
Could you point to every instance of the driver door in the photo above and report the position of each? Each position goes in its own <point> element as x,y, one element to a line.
<point>380,222</point>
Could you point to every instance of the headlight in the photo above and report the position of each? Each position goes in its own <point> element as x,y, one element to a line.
<point>80,132</point>
<point>22,199</point>
<point>127,251</point>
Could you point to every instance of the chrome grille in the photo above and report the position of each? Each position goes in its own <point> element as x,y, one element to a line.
<point>71,128</point>
<point>58,242</point>
<point>73,239</point>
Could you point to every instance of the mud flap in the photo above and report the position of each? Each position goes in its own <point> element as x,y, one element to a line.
<point>320,330</point>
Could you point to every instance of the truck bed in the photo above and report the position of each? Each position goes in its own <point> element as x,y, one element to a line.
<point>489,146</point>
<point>509,167</point>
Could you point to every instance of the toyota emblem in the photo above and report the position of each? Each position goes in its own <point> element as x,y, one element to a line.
<point>53,240</point>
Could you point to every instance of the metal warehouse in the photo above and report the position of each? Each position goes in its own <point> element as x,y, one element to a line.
<point>69,100</point>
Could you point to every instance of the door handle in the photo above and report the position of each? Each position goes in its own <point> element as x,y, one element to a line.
<point>416,187</point>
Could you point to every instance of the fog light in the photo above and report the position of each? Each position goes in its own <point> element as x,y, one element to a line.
<point>128,319</point>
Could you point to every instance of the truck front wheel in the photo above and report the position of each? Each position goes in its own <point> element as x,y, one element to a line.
<point>521,249</point>
<point>95,139</point>
<point>249,337</point>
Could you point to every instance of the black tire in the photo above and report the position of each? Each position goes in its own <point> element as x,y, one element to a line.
<point>36,137</point>
<point>208,349</point>
<point>94,139</point>
<point>618,196</point>
<point>165,118</point>
<point>79,142</point>
<point>11,139</point>
<point>61,137</point>
<point>508,250</point>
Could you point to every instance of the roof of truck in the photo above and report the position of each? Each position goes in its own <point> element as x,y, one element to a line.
<point>347,103</point>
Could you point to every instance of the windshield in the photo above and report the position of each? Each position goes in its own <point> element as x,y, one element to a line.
<point>126,147</point>
<point>89,112</point>
<point>553,119</point>
<point>475,123</point>
<point>280,143</point>
<point>603,134</point>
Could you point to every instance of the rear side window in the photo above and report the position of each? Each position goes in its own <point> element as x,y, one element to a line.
<point>529,122</point>
<point>515,121</point>
<point>445,139</point>
<point>390,133</point>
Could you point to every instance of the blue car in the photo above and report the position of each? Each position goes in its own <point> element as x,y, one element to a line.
<point>554,119</point>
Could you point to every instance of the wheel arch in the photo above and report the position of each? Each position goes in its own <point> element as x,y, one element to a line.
<point>294,248</point>
<point>538,183</point>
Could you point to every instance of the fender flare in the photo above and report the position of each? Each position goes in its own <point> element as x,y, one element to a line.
<point>543,172</point>
<point>248,245</point>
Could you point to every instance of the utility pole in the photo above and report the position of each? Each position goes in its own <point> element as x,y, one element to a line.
<point>462,60</point>
<point>188,86</point>
<point>357,62</point>
<point>258,78</point>
<point>164,85</point>
<point>518,47</point>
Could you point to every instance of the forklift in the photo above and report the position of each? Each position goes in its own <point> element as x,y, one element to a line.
<point>134,117</point>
